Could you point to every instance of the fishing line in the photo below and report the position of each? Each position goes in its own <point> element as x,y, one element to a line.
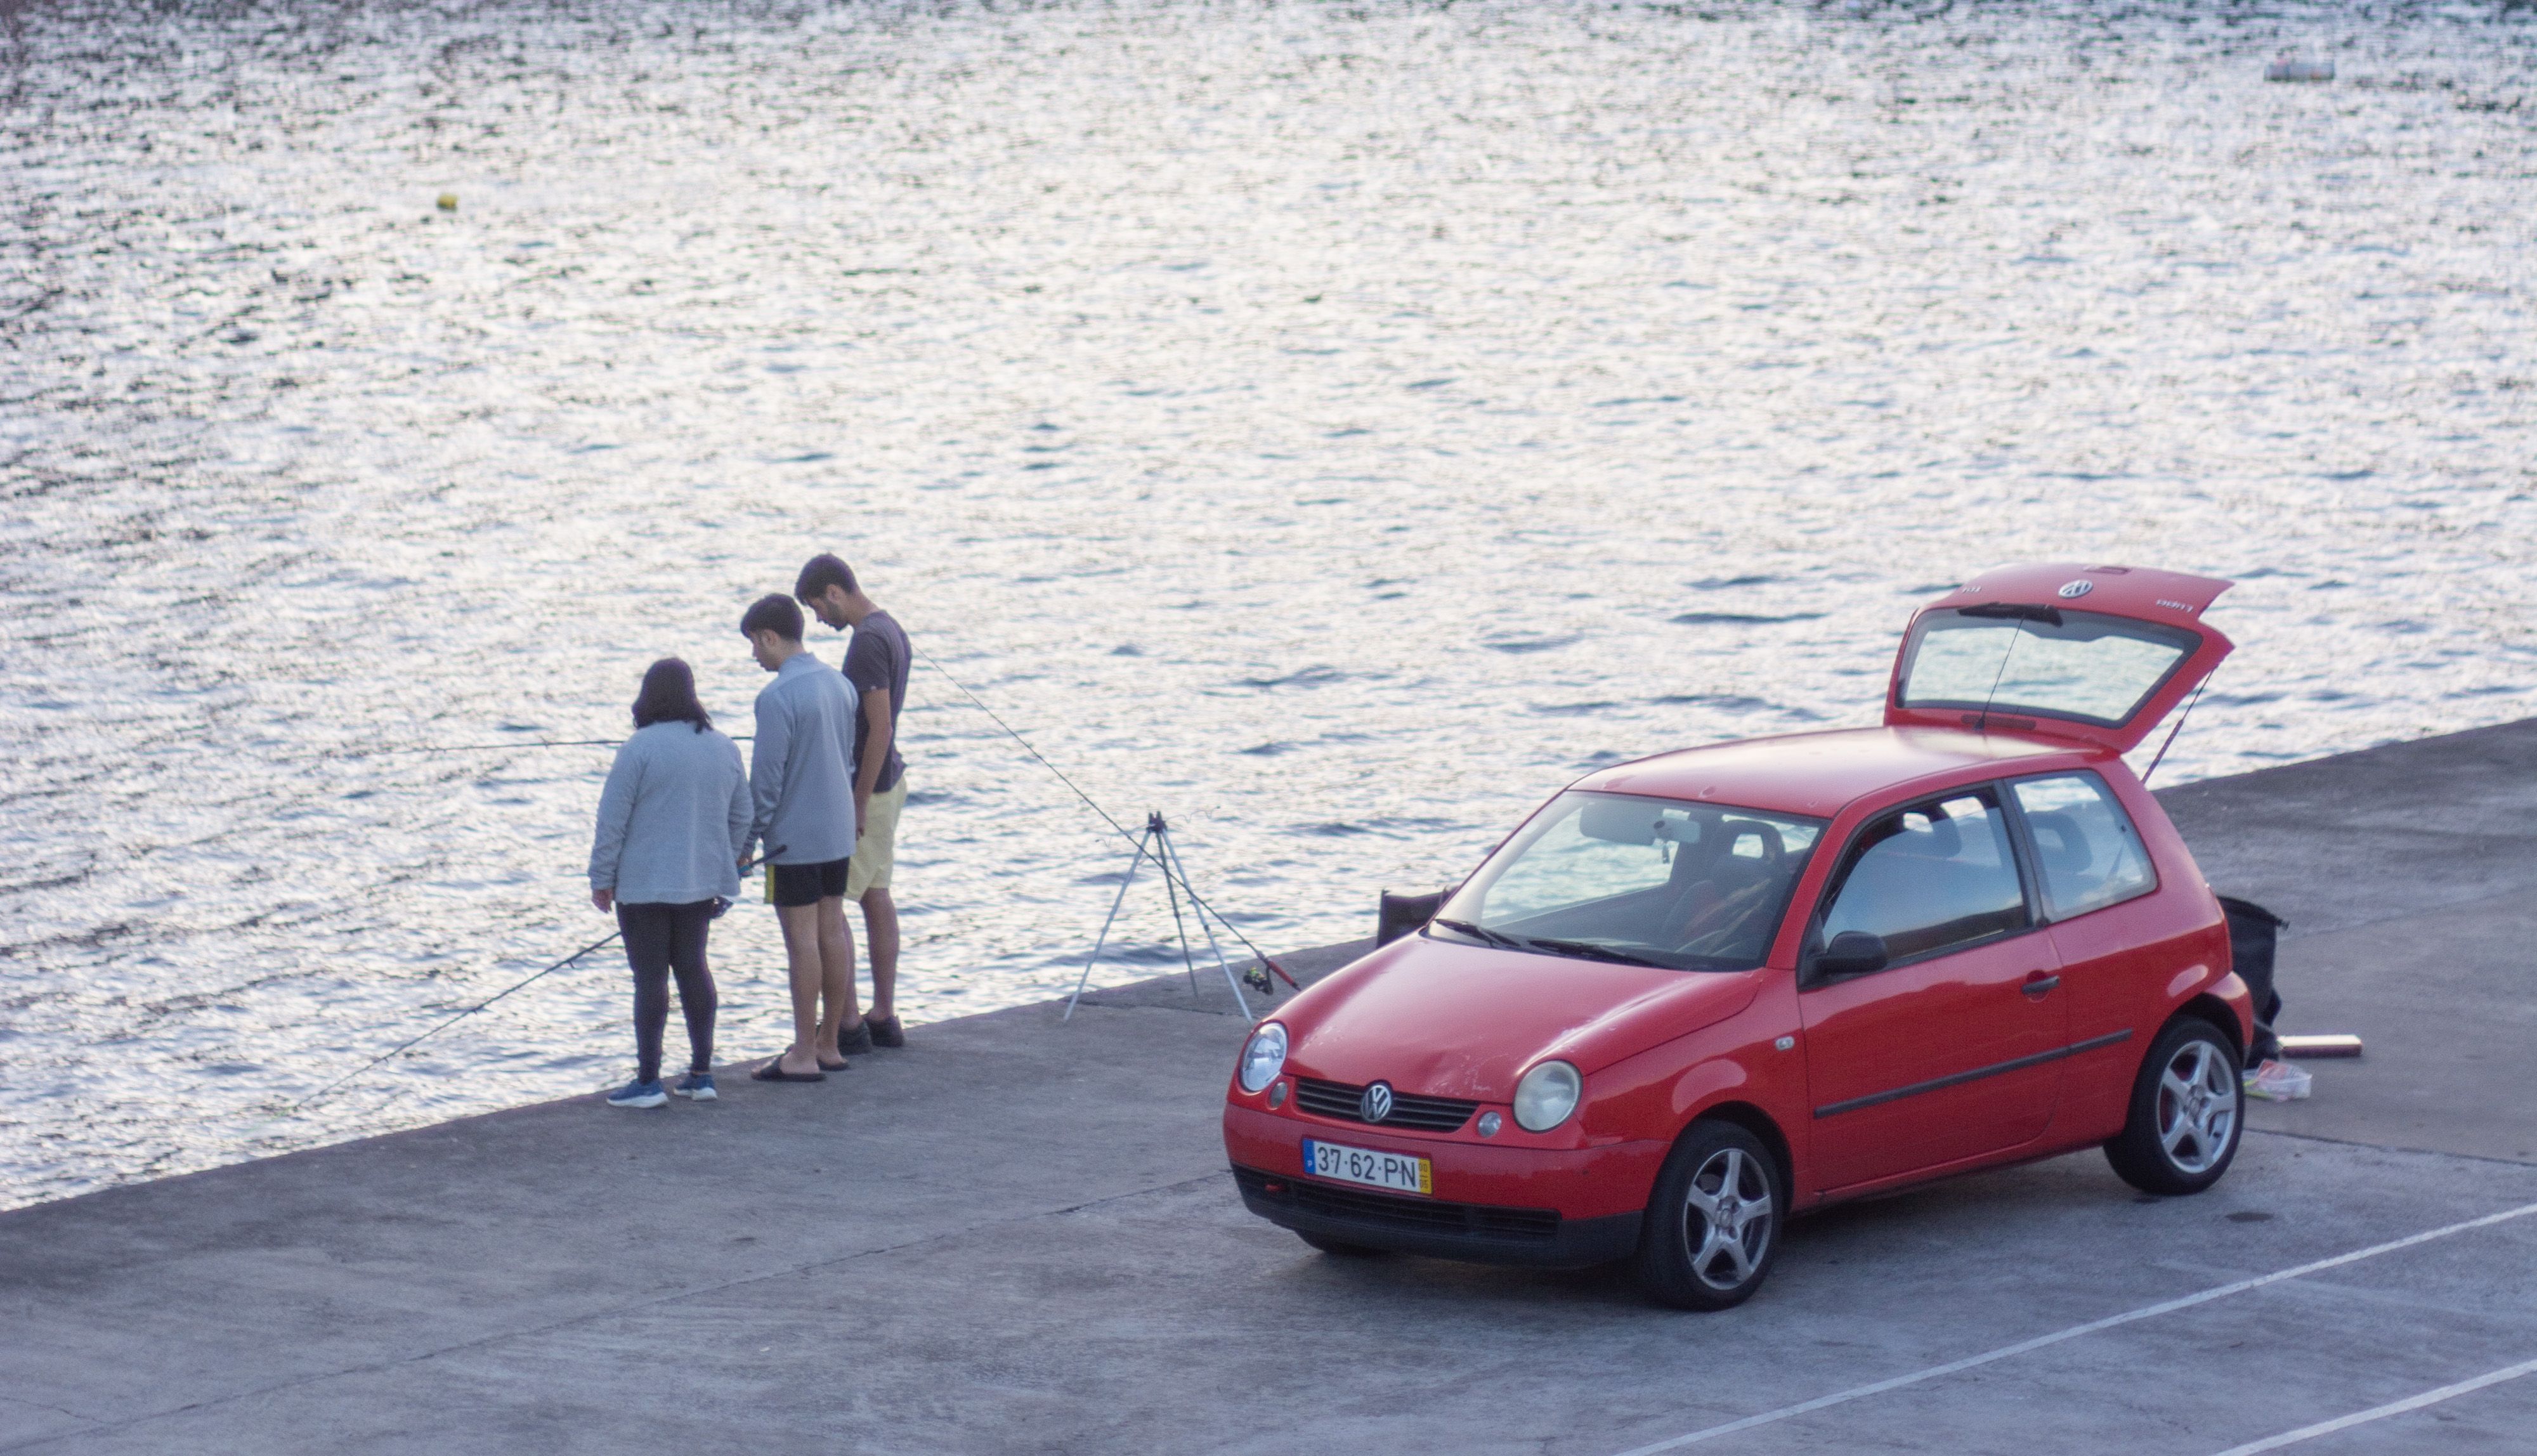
<point>499,747</point>
<point>410,1043</point>
<point>1120,828</point>
<point>481,747</point>
<point>1114,826</point>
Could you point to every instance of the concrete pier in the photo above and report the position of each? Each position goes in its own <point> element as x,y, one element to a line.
<point>1017,1235</point>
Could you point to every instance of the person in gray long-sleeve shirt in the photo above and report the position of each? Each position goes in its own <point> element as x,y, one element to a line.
<point>804,809</point>
<point>674,822</point>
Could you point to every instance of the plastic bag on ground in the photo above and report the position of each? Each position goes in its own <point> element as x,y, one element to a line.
<point>2278,1082</point>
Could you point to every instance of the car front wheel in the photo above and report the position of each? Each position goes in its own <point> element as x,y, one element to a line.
<point>2187,1109</point>
<point>1714,1223</point>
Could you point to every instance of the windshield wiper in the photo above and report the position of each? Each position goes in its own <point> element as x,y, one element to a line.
<point>1583,949</point>
<point>1482,935</point>
<point>1594,952</point>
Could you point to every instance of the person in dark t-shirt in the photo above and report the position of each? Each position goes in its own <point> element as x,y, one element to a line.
<point>876,664</point>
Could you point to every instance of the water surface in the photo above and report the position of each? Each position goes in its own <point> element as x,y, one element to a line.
<point>1334,426</point>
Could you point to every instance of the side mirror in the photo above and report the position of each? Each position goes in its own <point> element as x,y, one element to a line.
<point>1852,953</point>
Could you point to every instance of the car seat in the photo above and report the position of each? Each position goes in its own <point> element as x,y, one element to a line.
<point>2060,842</point>
<point>1723,887</point>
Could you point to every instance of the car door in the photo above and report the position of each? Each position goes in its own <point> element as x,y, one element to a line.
<point>2117,947</point>
<point>1950,1050</point>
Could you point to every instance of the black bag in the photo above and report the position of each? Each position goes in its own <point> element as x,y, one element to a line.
<point>2253,932</point>
<point>1403,913</point>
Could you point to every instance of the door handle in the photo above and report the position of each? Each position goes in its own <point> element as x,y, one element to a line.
<point>2037,985</point>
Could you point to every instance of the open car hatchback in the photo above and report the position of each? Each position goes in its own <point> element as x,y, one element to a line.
<point>1697,994</point>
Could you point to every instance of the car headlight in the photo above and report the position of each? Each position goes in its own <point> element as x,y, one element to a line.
<point>1264,1056</point>
<point>1546,1095</point>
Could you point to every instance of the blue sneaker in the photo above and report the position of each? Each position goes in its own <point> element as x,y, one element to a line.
<point>638,1095</point>
<point>696,1085</point>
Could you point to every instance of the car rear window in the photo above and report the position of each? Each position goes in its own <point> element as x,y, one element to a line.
<point>2085,845</point>
<point>2076,664</point>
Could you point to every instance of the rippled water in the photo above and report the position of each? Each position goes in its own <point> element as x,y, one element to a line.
<point>1335,426</point>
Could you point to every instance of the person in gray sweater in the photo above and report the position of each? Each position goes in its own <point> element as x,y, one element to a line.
<point>803,792</point>
<point>674,828</point>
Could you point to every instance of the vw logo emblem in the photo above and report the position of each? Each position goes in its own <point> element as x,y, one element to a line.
<point>1376,1104</point>
<point>2080,588</point>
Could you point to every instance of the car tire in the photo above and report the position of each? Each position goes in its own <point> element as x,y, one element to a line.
<point>1338,1247</point>
<point>2188,1110</point>
<point>1712,1225</point>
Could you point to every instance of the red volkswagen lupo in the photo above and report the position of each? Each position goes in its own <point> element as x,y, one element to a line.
<point>1699,992</point>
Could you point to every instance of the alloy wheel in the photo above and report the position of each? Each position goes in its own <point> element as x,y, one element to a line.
<point>2197,1107</point>
<point>1728,1219</point>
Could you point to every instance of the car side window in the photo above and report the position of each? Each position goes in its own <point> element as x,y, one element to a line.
<point>1931,878</point>
<point>2085,845</point>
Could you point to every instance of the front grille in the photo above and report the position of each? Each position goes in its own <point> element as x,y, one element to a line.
<point>1339,1101</point>
<point>1393,1211</point>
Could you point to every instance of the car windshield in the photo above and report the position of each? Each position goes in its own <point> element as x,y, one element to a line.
<point>2041,660</point>
<point>1646,881</point>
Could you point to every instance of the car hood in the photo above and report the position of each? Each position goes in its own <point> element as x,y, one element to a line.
<point>1430,1016</point>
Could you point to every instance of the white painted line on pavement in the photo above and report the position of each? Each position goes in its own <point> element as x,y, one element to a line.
<point>2147,1311</point>
<point>2392,1408</point>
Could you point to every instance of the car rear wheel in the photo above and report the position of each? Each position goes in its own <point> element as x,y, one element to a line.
<point>2187,1110</point>
<point>1339,1248</point>
<point>1714,1223</point>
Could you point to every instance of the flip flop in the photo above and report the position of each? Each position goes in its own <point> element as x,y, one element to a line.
<point>774,1072</point>
<point>839,1065</point>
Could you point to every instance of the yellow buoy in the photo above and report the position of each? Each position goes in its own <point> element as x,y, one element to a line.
<point>449,202</point>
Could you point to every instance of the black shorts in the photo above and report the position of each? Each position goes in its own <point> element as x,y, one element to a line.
<point>808,884</point>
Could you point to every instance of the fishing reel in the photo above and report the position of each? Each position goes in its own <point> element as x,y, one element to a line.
<point>1257,977</point>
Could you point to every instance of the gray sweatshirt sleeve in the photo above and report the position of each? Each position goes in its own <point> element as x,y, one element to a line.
<point>615,811</point>
<point>743,807</point>
<point>767,763</point>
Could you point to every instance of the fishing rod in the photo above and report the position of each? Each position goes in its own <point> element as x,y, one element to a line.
<point>763,856</point>
<point>1120,830</point>
<point>1171,871</point>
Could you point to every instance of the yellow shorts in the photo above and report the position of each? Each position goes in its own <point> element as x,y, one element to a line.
<point>870,868</point>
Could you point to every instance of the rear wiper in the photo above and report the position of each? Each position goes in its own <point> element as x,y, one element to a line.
<point>1483,936</point>
<point>1594,952</point>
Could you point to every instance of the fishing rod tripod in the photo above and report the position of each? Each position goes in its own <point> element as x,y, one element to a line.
<point>1156,844</point>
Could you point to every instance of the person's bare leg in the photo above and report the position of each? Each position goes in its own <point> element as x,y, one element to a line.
<point>804,962</point>
<point>836,975</point>
<point>880,937</point>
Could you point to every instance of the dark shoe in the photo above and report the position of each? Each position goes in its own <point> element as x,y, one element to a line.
<point>858,1042</point>
<point>886,1031</point>
<point>696,1086</point>
<point>774,1072</point>
<point>638,1094</point>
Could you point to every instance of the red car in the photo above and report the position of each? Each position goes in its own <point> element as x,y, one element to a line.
<point>1699,992</point>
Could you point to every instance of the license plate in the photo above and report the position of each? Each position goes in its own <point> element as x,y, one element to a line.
<point>1397,1172</point>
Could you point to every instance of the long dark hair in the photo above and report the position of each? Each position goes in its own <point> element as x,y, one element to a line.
<point>669,695</point>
